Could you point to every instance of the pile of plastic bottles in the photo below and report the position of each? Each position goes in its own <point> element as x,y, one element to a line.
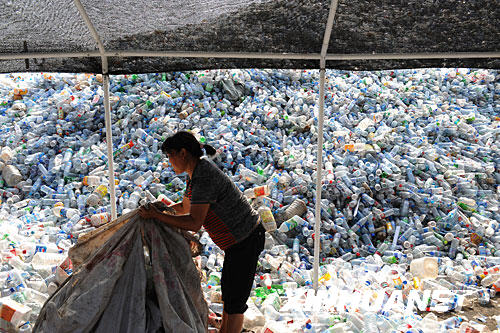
<point>411,172</point>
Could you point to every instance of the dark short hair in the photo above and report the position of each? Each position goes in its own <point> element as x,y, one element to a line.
<point>186,140</point>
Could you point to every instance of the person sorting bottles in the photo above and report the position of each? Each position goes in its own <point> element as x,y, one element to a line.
<point>213,201</point>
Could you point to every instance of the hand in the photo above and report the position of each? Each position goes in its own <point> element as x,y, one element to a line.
<point>159,205</point>
<point>149,211</point>
<point>162,207</point>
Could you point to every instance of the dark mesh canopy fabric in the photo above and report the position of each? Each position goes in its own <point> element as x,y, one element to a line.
<point>244,26</point>
<point>415,26</point>
<point>211,26</point>
<point>395,26</point>
<point>43,26</point>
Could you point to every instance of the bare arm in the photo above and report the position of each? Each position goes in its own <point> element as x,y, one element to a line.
<point>183,207</point>
<point>192,221</point>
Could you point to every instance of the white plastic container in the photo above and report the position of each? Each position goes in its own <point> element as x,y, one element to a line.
<point>11,175</point>
<point>41,259</point>
<point>253,317</point>
<point>6,154</point>
<point>13,311</point>
<point>425,268</point>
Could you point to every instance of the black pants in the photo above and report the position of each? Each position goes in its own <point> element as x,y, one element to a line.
<point>238,272</point>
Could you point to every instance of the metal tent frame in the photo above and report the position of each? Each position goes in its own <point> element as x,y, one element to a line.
<point>321,57</point>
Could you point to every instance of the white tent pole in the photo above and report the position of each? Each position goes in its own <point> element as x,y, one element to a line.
<point>89,24</point>
<point>201,54</point>
<point>107,106</point>
<point>158,54</point>
<point>319,177</point>
<point>109,138</point>
<point>410,56</point>
<point>42,55</point>
<point>311,56</point>
<point>243,55</point>
<point>109,144</point>
<point>321,116</point>
<point>328,28</point>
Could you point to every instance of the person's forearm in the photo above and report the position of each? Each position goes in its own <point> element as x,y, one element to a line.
<point>179,208</point>
<point>185,222</point>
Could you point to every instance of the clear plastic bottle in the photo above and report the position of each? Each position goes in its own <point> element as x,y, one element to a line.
<point>297,207</point>
<point>97,195</point>
<point>267,218</point>
<point>266,280</point>
<point>68,213</point>
<point>99,219</point>
<point>133,200</point>
<point>292,223</point>
<point>91,180</point>
<point>258,191</point>
<point>213,279</point>
<point>141,134</point>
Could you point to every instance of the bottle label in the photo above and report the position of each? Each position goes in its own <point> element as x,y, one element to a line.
<point>63,212</point>
<point>126,146</point>
<point>349,147</point>
<point>167,201</point>
<point>214,278</point>
<point>102,218</point>
<point>475,238</point>
<point>102,190</point>
<point>86,181</point>
<point>416,283</point>
<point>398,283</point>
<point>266,216</point>
<point>7,312</point>
<point>259,191</point>
<point>292,223</point>
<point>267,220</point>
<point>40,248</point>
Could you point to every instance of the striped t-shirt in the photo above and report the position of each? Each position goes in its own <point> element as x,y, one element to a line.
<point>230,217</point>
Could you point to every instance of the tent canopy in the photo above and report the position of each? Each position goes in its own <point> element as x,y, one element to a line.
<point>160,35</point>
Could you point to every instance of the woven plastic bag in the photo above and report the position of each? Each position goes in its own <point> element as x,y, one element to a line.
<point>116,288</point>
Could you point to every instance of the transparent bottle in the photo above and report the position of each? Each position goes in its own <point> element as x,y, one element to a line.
<point>292,223</point>
<point>267,218</point>
<point>258,191</point>
<point>97,195</point>
<point>99,219</point>
<point>297,207</point>
<point>91,180</point>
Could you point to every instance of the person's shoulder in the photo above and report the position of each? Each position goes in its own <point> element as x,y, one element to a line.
<point>207,168</point>
<point>207,164</point>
